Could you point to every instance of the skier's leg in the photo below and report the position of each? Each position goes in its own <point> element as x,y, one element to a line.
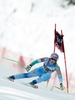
<point>42,78</point>
<point>36,72</point>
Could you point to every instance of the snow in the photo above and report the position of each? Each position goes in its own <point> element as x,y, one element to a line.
<point>27,28</point>
<point>16,91</point>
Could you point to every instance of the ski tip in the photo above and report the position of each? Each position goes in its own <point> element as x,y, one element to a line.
<point>35,86</point>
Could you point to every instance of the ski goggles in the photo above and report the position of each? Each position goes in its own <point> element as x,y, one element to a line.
<point>53,59</point>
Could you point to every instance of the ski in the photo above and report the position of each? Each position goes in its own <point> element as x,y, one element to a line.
<point>33,86</point>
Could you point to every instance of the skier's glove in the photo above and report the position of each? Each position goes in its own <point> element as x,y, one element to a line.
<point>61,86</point>
<point>28,68</point>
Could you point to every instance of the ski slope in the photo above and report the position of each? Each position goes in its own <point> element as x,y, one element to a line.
<point>16,91</point>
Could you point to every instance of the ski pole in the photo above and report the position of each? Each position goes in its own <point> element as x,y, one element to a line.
<point>54,87</point>
<point>57,88</point>
<point>11,60</point>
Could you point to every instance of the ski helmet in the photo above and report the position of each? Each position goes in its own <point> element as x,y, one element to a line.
<point>54,56</point>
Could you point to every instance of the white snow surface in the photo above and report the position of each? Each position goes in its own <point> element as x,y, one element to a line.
<point>16,91</point>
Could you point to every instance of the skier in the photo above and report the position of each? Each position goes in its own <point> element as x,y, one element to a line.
<point>43,72</point>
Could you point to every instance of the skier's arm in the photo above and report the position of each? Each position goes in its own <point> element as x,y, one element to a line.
<point>59,74</point>
<point>60,77</point>
<point>35,62</point>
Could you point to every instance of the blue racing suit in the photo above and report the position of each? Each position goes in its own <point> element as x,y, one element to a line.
<point>43,72</point>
